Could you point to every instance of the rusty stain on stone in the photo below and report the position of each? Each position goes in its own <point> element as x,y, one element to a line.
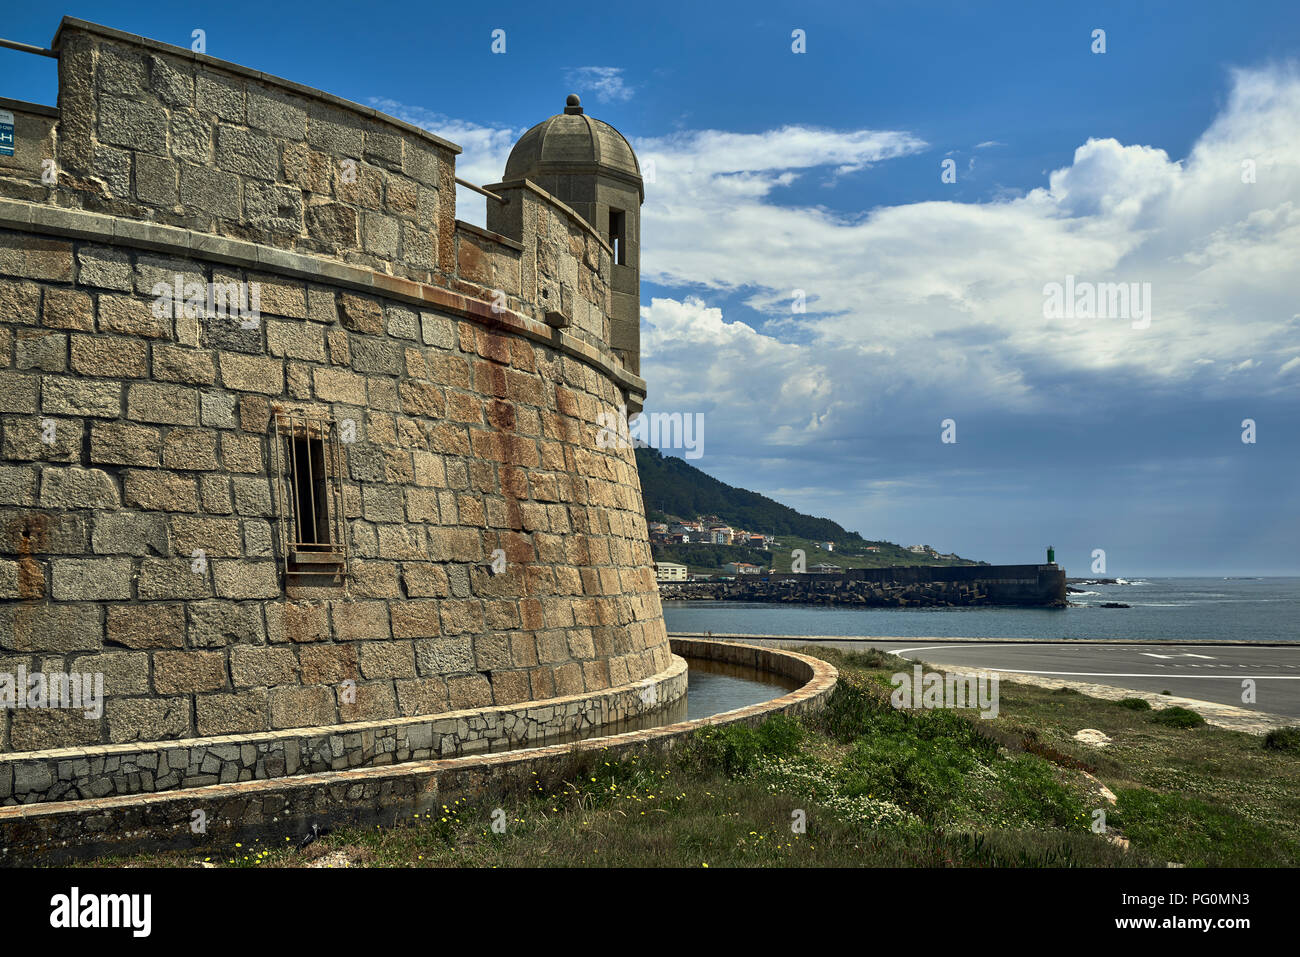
<point>32,532</point>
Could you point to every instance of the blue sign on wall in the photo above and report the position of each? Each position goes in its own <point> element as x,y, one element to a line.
<point>6,134</point>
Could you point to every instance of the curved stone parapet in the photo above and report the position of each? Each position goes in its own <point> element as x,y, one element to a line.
<point>161,133</point>
<point>157,133</point>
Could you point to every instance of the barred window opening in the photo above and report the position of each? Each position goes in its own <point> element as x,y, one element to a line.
<point>311,508</point>
<point>309,459</point>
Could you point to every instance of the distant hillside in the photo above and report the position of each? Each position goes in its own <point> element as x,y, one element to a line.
<point>670,486</point>
<point>674,489</point>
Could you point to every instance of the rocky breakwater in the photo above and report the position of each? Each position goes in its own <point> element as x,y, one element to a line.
<point>875,594</point>
<point>995,587</point>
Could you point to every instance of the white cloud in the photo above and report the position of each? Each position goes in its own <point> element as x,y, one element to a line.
<point>700,364</point>
<point>946,298</point>
<point>605,83</point>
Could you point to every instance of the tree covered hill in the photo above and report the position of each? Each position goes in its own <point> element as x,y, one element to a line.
<point>674,489</point>
<point>670,486</point>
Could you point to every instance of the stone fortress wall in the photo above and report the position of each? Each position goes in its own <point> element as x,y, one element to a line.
<point>146,501</point>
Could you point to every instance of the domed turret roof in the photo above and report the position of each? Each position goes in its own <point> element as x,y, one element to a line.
<point>572,142</point>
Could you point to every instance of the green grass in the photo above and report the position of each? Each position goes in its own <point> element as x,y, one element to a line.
<point>1177,717</point>
<point>850,555</point>
<point>1199,832</point>
<point>1283,739</point>
<point>1134,704</point>
<point>872,786</point>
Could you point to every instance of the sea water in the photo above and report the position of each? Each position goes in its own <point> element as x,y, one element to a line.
<point>1181,609</point>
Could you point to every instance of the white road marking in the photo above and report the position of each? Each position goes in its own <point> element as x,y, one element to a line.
<point>1083,674</point>
<point>1112,674</point>
<point>1152,654</point>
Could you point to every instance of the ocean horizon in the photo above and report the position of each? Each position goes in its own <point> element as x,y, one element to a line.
<point>1160,608</point>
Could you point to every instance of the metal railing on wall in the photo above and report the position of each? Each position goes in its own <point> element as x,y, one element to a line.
<point>481,190</point>
<point>28,48</point>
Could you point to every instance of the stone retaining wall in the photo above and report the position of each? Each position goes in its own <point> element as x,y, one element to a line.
<point>385,796</point>
<point>71,774</point>
<point>153,131</point>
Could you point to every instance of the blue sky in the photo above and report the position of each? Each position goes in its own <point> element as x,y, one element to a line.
<point>820,171</point>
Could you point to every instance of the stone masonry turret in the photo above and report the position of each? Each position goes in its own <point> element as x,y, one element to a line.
<point>590,167</point>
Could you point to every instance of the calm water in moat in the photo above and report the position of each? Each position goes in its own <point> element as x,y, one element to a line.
<point>1181,609</point>
<point>711,688</point>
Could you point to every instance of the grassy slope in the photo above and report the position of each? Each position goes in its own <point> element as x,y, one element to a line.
<point>854,555</point>
<point>879,787</point>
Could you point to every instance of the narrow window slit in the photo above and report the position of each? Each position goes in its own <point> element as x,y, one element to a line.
<point>618,235</point>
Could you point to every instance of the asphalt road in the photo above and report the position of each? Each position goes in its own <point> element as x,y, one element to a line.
<point>1208,672</point>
